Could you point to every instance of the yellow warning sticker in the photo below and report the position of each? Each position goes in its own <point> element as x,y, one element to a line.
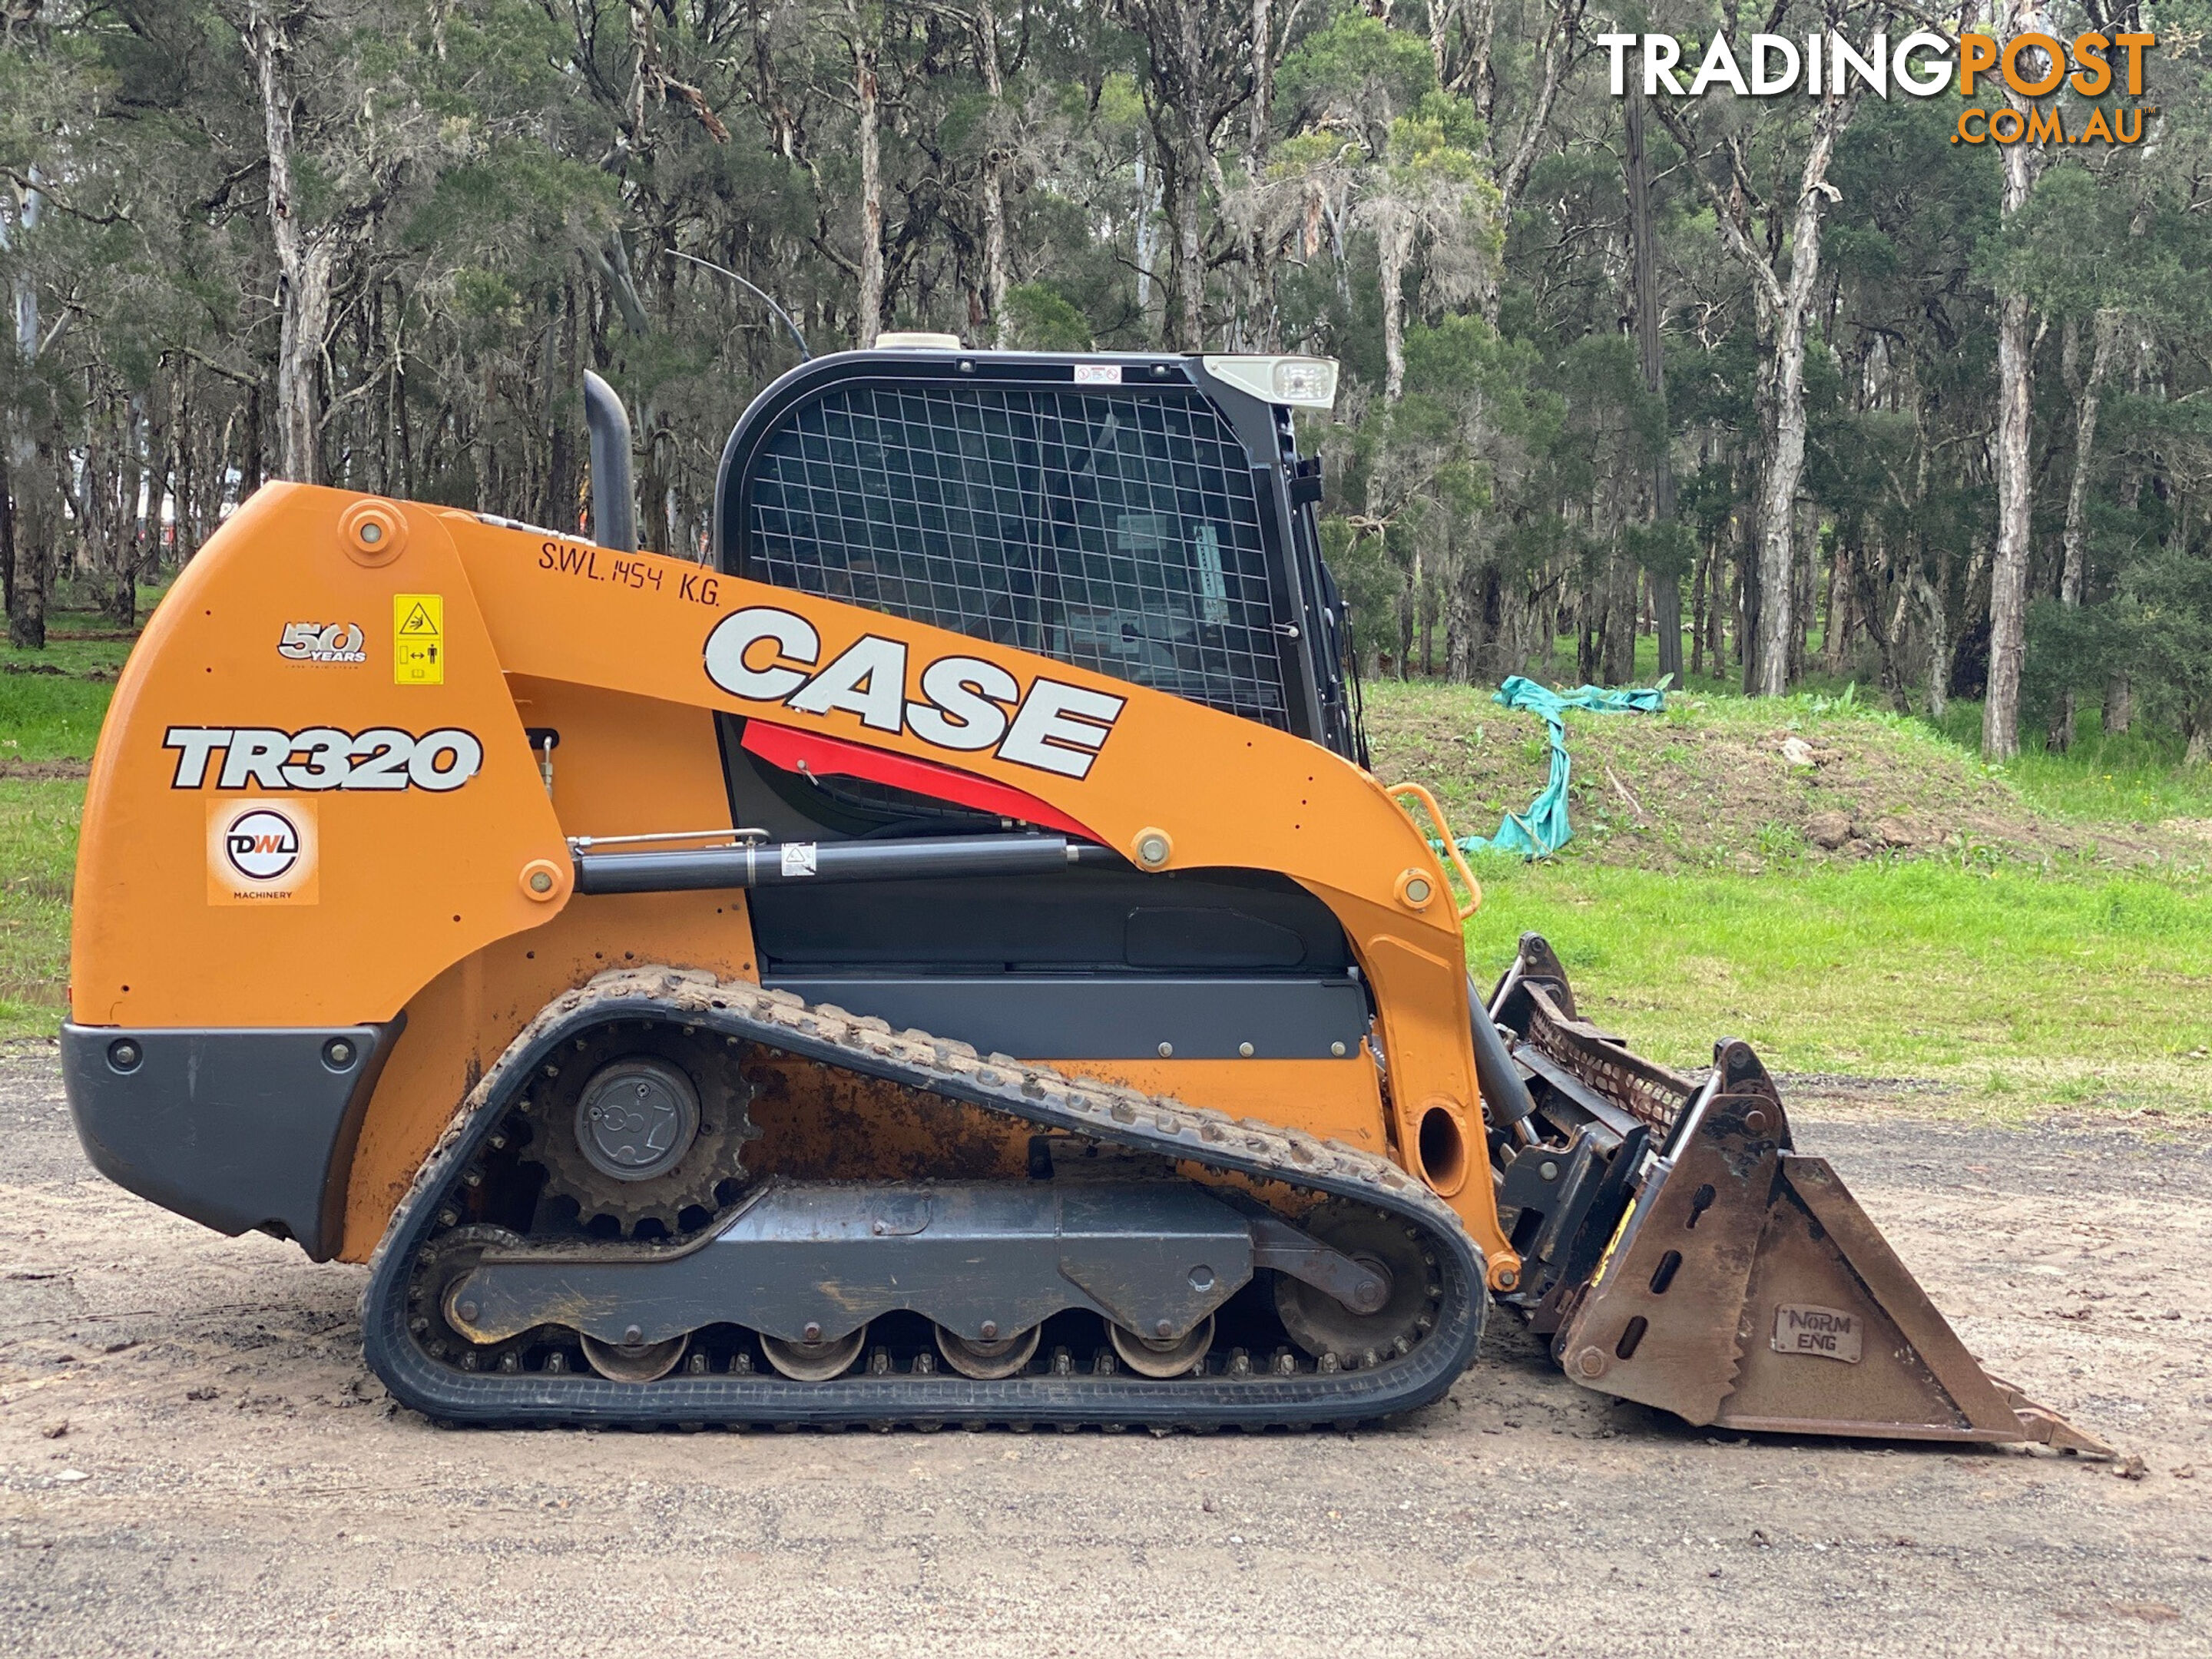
<point>418,638</point>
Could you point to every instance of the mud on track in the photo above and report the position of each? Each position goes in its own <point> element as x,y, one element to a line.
<point>246,1488</point>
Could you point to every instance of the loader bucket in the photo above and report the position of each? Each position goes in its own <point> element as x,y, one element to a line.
<point>1742,1287</point>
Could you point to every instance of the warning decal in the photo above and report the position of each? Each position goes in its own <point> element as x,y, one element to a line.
<point>418,638</point>
<point>262,850</point>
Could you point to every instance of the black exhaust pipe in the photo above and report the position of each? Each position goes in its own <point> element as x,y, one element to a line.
<point>614,508</point>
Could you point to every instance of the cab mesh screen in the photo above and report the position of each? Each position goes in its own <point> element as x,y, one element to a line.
<point>1118,533</point>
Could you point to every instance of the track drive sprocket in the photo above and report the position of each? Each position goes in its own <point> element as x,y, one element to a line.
<point>702,1173</point>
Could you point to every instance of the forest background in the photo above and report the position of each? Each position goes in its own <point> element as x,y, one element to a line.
<point>1793,383</point>
<point>1895,446</point>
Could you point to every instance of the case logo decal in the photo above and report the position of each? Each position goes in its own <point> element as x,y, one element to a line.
<point>262,852</point>
<point>968,704</point>
<point>322,757</point>
<point>322,642</point>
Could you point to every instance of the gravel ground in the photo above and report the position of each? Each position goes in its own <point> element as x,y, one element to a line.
<point>193,1460</point>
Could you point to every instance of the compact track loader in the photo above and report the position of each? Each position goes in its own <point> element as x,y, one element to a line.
<point>943,959</point>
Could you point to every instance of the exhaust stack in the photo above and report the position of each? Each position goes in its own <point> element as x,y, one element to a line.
<point>614,509</point>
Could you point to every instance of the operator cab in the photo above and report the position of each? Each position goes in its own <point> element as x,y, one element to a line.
<point>1146,517</point>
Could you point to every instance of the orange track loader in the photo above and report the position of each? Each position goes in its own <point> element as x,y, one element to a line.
<point>941,959</point>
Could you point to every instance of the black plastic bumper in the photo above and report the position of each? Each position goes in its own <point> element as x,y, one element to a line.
<point>233,1128</point>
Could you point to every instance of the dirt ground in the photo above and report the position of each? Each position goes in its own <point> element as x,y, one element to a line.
<point>230,1480</point>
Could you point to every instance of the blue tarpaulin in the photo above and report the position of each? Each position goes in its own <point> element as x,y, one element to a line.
<point>1543,829</point>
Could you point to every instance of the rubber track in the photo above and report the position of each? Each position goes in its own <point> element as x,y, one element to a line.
<point>1034,1093</point>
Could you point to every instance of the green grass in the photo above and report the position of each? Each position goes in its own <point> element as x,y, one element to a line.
<point>2011,985</point>
<point>2134,778</point>
<point>38,853</point>
<point>46,717</point>
<point>51,701</point>
<point>2020,988</point>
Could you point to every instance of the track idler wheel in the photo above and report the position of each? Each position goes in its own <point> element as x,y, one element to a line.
<point>440,1270</point>
<point>1163,1356</point>
<point>1333,1333</point>
<point>815,1362</point>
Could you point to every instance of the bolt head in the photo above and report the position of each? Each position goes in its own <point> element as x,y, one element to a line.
<point>1337,1049</point>
<point>1166,1051</point>
<point>1417,890</point>
<point>1164,1329</point>
<point>1755,1121</point>
<point>812,1333</point>
<point>124,1055</point>
<point>541,881</point>
<point>338,1052</point>
<point>1590,1362</point>
<point>990,1329</point>
<point>632,1337</point>
<point>467,1311</point>
<point>1245,1050</point>
<point>370,532</point>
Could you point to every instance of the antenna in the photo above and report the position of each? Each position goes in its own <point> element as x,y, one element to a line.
<point>783,316</point>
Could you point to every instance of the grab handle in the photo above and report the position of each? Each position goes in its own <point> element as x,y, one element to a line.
<point>1419,792</point>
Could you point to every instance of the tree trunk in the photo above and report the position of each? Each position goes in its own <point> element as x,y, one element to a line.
<point>1394,247</point>
<point>1666,587</point>
<point>2119,704</point>
<point>1717,600</point>
<point>2014,477</point>
<point>140,475</point>
<point>34,538</point>
<point>250,464</point>
<point>303,265</point>
<point>995,191</point>
<point>2073,573</point>
<point>1617,659</point>
<point>1187,264</point>
<point>1777,546</point>
<point>563,376</point>
<point>28,519</point>
<point>1263,323</point>
<point>1698,611</point>
<point>870,321</point>
<point>1147,235</point>
<point>1841,587</point>
<point>1783,308</point>
<point>1939,645</point>
<point>1804,583</point>
<point>1556,51</point>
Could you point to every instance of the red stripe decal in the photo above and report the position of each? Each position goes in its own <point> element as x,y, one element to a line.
<point>833,758</point>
